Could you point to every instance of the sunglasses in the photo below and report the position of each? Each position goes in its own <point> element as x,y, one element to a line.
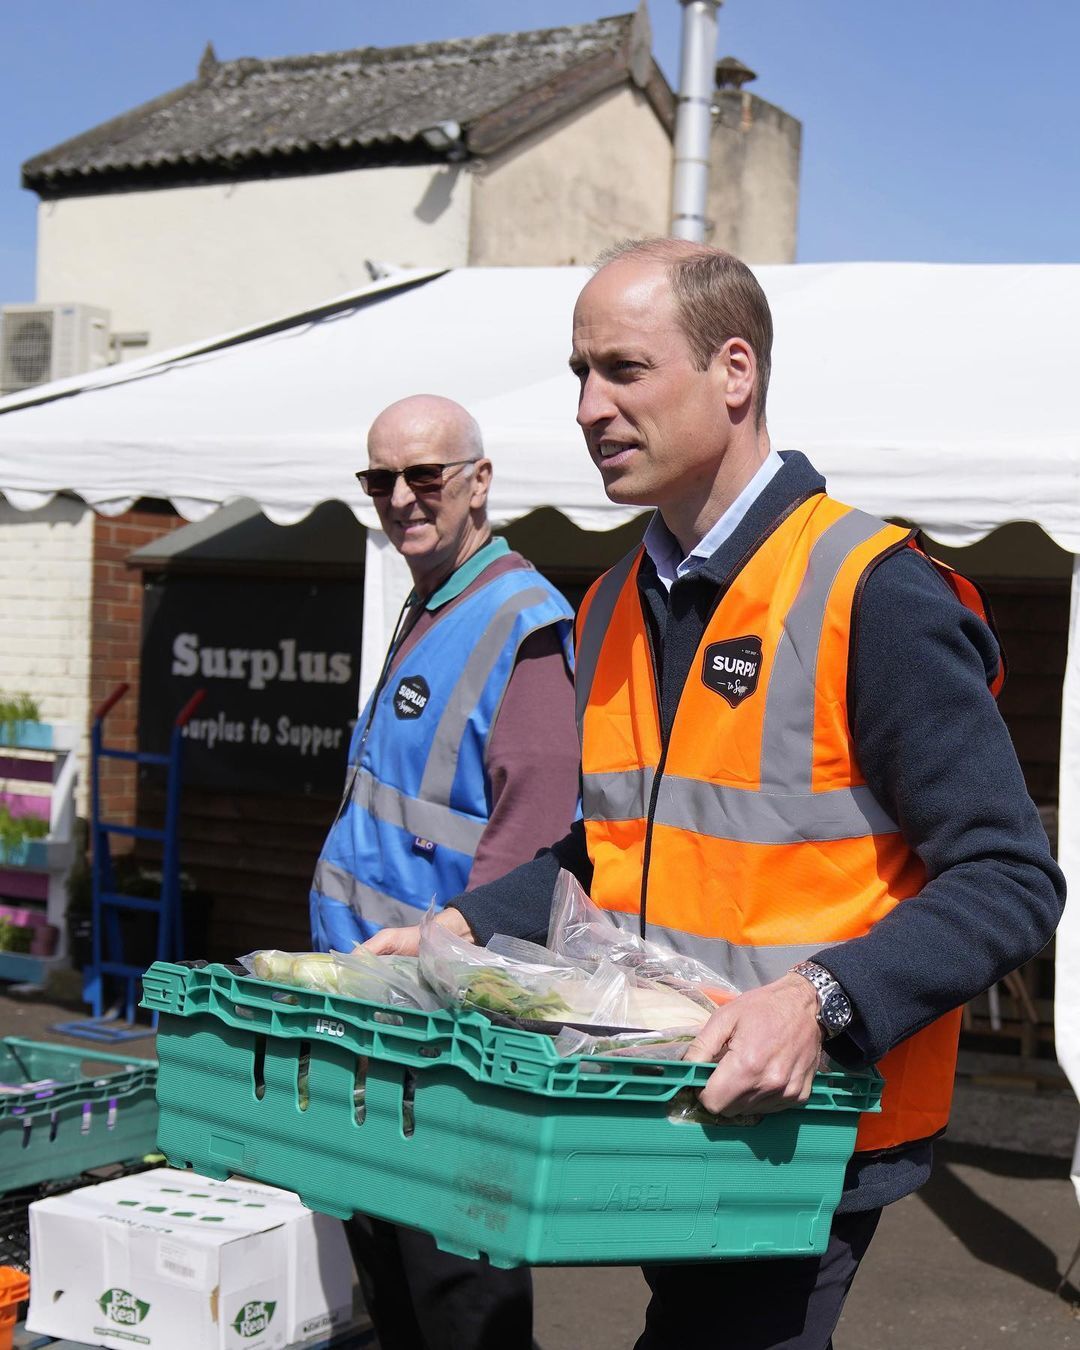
<point>420,477</point>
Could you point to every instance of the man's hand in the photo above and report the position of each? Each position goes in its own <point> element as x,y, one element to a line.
<point>768,1044</point>
<point>406,941</point>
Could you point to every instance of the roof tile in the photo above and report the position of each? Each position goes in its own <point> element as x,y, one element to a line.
<point>246,109</point>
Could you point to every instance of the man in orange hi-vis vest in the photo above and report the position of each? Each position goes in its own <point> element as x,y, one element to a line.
<point>793,768</point>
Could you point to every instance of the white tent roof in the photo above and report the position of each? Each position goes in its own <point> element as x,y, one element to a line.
<point>945,394</point>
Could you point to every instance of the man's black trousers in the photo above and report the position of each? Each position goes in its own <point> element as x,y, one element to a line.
<point>792,1303</point>
<point>420,1298</point>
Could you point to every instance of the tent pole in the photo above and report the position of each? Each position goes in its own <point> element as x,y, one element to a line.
<point>1067,941</point>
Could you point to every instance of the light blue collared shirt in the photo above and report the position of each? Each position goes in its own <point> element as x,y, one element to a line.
<point>664,549</point>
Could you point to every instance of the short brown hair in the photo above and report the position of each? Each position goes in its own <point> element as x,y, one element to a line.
<point>717,297</point>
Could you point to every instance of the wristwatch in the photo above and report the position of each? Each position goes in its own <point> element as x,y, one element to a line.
<point>834,1006</point>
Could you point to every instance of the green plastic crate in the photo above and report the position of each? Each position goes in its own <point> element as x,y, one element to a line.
<point>96,1109</point>
<point>482,1135</point>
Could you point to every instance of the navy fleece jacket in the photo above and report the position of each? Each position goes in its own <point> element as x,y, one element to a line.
<point>936,754</point>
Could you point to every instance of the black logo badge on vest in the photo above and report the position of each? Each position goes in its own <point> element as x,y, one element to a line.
<point>731,668</point>
<point>411,697</point>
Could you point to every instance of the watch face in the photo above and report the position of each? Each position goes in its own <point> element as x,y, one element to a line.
<point>835,1012</point>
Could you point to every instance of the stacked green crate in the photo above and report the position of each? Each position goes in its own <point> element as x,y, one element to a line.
<point>64,1110</point>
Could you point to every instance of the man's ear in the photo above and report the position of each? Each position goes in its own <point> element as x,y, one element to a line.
<point>481,483</point>
<point>738,364</point>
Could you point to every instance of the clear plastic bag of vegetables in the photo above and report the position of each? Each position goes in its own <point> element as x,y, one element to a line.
<point>644,1004</point>
<point>384,979</point>
<point>529,985</point>
<point>666,1044</point>
<point>357,974</point>
<point>302,970</point>
<point>581,931</point>
<point>545,992</point>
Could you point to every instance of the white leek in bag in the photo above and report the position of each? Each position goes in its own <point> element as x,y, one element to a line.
<point>304,970</point>
<point>357,974</point>
<point>383,979</point>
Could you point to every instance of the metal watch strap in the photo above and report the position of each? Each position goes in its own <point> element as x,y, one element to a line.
<point>828,990</point>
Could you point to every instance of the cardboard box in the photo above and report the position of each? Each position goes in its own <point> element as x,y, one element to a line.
<point>175,1261</point>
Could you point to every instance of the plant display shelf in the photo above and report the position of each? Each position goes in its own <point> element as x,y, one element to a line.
<point>33,872</point>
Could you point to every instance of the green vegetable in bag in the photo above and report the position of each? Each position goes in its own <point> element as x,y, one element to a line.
<point>495,991</point>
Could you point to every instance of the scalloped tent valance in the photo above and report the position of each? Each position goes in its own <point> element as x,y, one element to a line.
<point>944,394</point>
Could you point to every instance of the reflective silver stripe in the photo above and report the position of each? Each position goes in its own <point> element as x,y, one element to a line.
<point>616,796</point>
<point>441,766</point>
<point>739,814</point>
<point>369,903</point>
<point>427,820</point>
<point>787,736</point>
<point>594,630</point>
<point>748,817</point>
<point>744,967</point>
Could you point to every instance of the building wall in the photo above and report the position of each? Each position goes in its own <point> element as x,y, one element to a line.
<point>753,200</point>
<point>565,193</point>
<point>114,640</point>
<point>45,582</point>
<point>183,263</point>
<point>189,262</point>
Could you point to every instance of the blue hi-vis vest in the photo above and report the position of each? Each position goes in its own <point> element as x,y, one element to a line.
<point>417,795</point>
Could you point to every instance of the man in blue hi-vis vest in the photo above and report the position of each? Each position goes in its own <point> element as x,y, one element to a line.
<point>463,763</point>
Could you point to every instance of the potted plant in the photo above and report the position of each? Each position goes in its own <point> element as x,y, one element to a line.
<point>16,711</point>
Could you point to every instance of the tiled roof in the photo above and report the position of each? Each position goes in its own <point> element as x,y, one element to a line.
<point>371,103</point>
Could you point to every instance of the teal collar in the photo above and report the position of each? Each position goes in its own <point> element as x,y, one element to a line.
<point>467,573</point>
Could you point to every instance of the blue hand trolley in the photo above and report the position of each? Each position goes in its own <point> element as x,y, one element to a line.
<point>109,967</point>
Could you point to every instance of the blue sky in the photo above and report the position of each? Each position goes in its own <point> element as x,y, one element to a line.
<point>935,130</point>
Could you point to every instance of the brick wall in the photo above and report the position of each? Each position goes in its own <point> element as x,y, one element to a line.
<point>115,629</point>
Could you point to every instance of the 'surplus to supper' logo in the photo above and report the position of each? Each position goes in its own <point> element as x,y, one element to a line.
<point>411,697</point>
<point>253,1318</point>
<point>731,668</point>
<point>123,1308</point>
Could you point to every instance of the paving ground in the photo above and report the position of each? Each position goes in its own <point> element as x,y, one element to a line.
<point>972,1261</point>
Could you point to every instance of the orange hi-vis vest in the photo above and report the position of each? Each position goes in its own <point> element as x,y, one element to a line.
<point>750,838</point>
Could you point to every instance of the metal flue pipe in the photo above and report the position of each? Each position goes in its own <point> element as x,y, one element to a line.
<point>693,120</point>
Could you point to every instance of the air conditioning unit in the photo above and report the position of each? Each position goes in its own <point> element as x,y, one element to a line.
<point>46,342</point>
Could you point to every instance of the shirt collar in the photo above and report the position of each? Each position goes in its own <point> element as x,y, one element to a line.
<point>664,549</point>
<point>466,574</point>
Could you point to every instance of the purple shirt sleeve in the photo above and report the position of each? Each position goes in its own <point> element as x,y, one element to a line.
<point>532,760</point>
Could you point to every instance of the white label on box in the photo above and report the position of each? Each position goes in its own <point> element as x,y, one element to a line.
<point>181,1264</point>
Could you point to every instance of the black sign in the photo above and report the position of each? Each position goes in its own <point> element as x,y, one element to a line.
<point>411,697</point>
<point>280,661</point>
<point>731,668</point>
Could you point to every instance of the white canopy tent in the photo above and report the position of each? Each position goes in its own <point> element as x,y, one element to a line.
<point>941,394</point>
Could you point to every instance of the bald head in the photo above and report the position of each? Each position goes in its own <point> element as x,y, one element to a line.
<point>438,522</point>
<point>428,419</point>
